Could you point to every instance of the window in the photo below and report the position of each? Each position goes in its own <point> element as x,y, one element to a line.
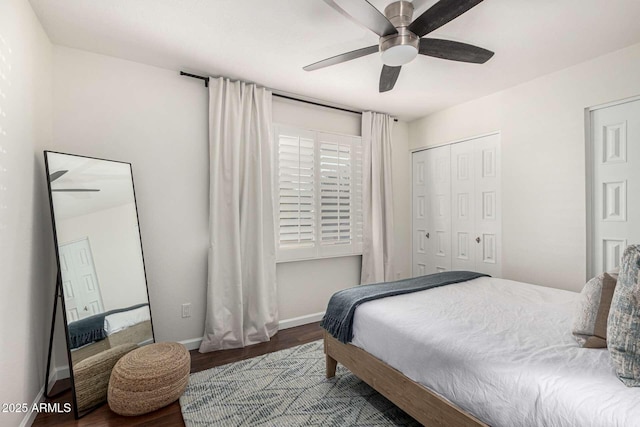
<point>319,201</point>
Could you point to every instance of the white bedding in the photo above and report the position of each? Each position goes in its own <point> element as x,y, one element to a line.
<point>502,351</point>
<point>119,321</point>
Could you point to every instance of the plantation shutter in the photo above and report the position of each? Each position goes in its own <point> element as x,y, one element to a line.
<point>358,220</point>
<point>296,199</point>
<point>319,209</point>
<point>339,204</point>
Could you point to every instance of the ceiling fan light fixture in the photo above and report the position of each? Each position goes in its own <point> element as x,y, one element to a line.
<point>399,55</point>
<point>399,49</point>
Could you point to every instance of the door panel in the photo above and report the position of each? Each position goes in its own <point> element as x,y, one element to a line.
<point>79,281</point>
<point>615,134</point>
<point>439,222</point>
<point>488,217</point>
<point>420,208</point>
<point>462,221</point>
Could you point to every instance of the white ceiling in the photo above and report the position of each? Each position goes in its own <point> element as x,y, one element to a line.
<point>269,41</point>
<point>112,179</point>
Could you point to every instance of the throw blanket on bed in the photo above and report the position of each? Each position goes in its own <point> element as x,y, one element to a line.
<point>338,320</point>
<point>90,329</point>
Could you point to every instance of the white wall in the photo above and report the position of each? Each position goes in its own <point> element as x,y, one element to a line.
<point>27,275</point>
<point>153,118</point>
<point>157,120</point>
<point>543,160</point>
<point>115,247</point>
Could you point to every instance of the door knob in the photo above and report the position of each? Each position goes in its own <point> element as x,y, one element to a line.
<point>477,239</point>
<point>85,308</point>
<point>427,235</point>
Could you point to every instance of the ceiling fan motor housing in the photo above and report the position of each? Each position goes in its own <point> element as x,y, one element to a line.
<point>401,48</point>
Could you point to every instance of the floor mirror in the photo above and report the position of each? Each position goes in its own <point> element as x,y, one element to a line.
<point>101,284</point>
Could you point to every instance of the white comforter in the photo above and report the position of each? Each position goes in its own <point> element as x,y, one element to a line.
<point>501,350</point>
<point>120,321</point>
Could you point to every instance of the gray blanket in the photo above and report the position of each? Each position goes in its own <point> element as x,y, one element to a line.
<point>90,329</point>
<point>338,320</point>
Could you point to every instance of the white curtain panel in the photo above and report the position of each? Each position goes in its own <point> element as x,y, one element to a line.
<point>241,296</point>
<point>377,198</point>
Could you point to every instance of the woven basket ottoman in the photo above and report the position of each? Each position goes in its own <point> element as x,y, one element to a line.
<point>91,376</point>
<point>149,378</point>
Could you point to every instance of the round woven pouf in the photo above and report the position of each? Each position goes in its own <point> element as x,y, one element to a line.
<point>91,375</point>
<point>149,378</point>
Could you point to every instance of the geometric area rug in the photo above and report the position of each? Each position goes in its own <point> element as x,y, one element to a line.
<point>285,388</point>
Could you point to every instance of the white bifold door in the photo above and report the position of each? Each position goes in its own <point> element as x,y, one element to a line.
<point>476,200</point>
<point>615,195</point>
<point>456,207</point>
<point>431,211</point>
<point>79,281</point>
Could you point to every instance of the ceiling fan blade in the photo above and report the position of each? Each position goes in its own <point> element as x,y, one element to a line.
<point>75,190</point>
<point>439,14</point>
<point>388,78</point>
<point>57,174</point>
<point>454,51</point>
<point>343,57</point>
<point>364,13</point>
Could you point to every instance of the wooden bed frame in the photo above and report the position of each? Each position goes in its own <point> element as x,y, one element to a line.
<point>136,334</point>
<point>422,404</point>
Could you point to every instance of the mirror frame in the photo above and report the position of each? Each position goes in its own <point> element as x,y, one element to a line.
<point>59,290</point>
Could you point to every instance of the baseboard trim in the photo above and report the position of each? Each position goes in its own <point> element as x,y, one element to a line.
<point>194,343</point>
<point>30,416</point>
<point>61,372</point>
<point>57,374</point>
<point>299,321</point>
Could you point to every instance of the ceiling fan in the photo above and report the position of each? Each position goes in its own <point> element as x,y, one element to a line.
<point>57,174</point>
<point>400,37</point>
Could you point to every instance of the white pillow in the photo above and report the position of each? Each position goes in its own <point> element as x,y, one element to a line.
<point>590,320</point>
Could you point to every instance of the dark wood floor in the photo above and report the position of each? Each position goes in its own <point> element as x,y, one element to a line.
<point>171,415</point>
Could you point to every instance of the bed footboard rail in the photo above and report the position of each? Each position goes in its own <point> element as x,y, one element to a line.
<point>422,404</point>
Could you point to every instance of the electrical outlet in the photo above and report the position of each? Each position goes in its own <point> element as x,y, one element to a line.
<point>186,310</point>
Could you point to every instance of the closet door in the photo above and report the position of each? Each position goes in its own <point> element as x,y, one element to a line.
<point>488,202</point>
<point>456,208</point>
<point>420,207</point>
<point>431,205</point>
<point>615,216</point>
<point>439,221</point>
<point>476,201</point>
<point>463,207</point>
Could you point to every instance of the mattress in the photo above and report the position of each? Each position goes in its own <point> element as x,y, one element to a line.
<point>120,321</point>
<point>500,350</point>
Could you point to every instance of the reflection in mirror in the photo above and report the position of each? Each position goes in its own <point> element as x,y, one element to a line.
<point>104,289</point>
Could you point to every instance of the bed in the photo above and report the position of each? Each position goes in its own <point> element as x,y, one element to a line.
<point>101,332</point>
<point>484,352</point>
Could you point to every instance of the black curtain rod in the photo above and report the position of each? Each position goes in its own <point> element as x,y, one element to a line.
<point>206,84</point>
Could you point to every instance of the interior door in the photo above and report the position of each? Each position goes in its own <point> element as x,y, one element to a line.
<point>420,208</point>
<point>439,221</point>
<point>79,281</point>
<point>615,133</point>
<point>457,208</point>
<point>463,207</point>
<point>476,205</point>
<point>488,205</point>
<point>431,211</point>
